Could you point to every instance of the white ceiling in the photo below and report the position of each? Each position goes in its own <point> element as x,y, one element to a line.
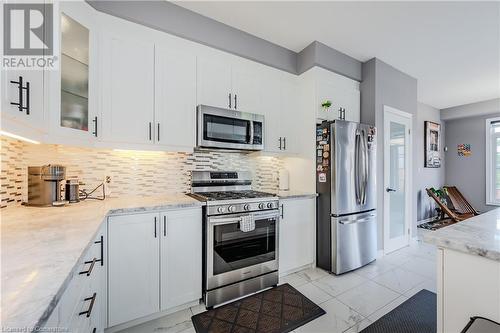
<point>452,48</point>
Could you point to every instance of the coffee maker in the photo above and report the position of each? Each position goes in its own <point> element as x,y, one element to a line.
<point>44,184</point>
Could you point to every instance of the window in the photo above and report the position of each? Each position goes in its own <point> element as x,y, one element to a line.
<point>493,161</point>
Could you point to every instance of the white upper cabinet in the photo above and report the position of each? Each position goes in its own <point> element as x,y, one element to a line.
<point>23,103</point>
<point>245,84</point>
<point>175,98</point>
<point>214,82</point>
<point>128,89</point>
<point>73,89</point>
<point>341,91</point>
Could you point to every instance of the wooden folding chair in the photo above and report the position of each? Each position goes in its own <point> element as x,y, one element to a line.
<point>452,213</point>
<point>459,201</point>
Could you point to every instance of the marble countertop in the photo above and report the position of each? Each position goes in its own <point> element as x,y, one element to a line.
<point>40,248</point>
<point>295,194</point>
<point>479,235</point>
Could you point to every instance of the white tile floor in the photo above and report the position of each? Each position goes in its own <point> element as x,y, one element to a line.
<point>352,301</point>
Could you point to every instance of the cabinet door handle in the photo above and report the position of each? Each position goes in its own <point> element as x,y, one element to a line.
<point>95,126</point>
<point>158,134</point>
<point>20,89</point>
<point>155,227</point>
<point>282,211</point>
<point>235,101</point>
<point>91,267</point>
<point>284,143</point>
<point>91,305</point>
<point>280,142</point>
<point>149,131</point>
<point>101,242</point>
<point>165,225</point>
<point>27,107</point>
<point>229,100</point>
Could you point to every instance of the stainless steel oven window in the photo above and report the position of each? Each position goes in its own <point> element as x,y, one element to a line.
<point>235,249</point>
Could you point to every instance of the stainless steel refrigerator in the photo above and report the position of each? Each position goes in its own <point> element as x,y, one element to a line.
<point>346,230</point>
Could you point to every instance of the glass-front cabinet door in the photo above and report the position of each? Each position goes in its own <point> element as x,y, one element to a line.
<point>73,98</point>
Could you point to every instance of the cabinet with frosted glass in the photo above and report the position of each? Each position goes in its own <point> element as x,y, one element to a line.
<point>73,95</point>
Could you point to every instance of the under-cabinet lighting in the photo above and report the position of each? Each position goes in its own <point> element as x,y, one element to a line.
<point>138,151</point>
<point>18,137</point>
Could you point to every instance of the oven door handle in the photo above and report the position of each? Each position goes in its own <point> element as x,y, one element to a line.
<point>228,220</point>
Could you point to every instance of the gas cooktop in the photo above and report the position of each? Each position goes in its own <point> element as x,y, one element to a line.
<point>232,195</point>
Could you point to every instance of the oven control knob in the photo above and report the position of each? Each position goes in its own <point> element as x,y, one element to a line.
<point>269,205</point>
<point>231,208</point>
<point>220,209</point>
<point>246,207</point>
<point>261,205</point>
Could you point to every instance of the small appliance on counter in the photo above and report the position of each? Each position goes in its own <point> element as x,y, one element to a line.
<point>72,190</point>
<point>44,185</point>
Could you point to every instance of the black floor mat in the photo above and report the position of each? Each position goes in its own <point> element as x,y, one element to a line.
<point>416,315</point>
<point>277,310</point>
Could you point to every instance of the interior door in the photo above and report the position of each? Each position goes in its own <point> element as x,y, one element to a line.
<point>397,179</point>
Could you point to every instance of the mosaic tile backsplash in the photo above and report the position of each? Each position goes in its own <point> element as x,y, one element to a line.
<point>131,172</point>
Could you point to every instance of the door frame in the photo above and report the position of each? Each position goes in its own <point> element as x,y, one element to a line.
<point>388,111</point>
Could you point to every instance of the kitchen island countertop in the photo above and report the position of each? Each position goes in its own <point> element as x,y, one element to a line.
<point>479,235</point>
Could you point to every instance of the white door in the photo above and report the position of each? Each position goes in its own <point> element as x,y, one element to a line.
<point>397,178</point>
<point>133,267</point>
<point>175,98</point>
<point>181,257</point>
<point>214,83</point>
<point>296,234</point>
<point>128,98</point>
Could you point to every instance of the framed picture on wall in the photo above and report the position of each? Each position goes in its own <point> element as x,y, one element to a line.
<point>432,145</point>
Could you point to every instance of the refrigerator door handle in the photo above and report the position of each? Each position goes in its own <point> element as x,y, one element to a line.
<point>357,188</point>
<point>366,219</point>
<point>365,167</point>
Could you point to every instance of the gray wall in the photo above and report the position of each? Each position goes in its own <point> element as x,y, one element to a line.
<point>382,85</point>
<point>426,177</point>
<point>470,110</point>
<point>173,19</point>
<point>468,174</point>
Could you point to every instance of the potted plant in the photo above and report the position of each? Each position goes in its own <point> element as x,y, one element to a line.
<point>326,105</point>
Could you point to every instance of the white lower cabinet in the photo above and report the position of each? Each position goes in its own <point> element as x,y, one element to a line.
<point>133,274</point>
<point>82,306</point>
<point>154,263</point>
<point>181,260</point>
<point>296,234</point>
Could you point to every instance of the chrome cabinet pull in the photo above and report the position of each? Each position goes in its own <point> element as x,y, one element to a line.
<point>229,100</point>
<point>91,305</point>
<point>155,227</point>
<point>95,126</point>
<point>284,143</point>
<point>91,267</point>
<point>280,142</point>
<point>149,131</point>
<point>158,135</point>
<point>164,225</point>
<point>235,101</point>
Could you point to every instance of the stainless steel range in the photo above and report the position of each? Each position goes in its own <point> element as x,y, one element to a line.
<point>240,235</point>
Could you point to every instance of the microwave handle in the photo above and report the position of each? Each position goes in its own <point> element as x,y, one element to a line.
<point>251,132</point>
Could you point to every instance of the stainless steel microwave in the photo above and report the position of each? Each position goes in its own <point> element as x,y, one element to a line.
<point>229,129</point>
